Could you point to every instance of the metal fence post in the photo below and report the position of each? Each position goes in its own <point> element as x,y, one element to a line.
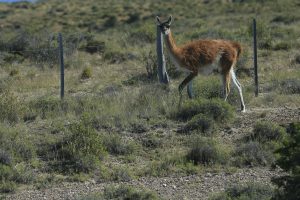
<point>162,72</point>
<point>62,66</point>
<point>255,57</point>
<point>190,90</point>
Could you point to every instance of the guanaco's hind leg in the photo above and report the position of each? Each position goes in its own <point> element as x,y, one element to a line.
<point>184,83</point>
<point>226,85</point>
<point>239,87</point>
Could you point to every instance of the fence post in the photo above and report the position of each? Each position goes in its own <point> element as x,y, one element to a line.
<point>255,57</point>
<point>62,66</point>
<point>162,72</point>
<point>190,90</point>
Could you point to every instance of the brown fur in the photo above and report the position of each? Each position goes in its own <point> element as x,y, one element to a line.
<point>200,53</point>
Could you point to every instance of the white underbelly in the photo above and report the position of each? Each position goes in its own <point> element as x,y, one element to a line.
<point>209,69</point>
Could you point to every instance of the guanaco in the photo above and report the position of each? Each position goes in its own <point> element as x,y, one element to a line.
<point>204,57</point>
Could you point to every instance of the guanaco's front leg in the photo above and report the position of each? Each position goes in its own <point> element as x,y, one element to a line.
<point>183,84</point>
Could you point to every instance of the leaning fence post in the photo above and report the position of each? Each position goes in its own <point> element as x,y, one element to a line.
<point>255,57</point>
<point>161,62</point>
<point>62,66</point>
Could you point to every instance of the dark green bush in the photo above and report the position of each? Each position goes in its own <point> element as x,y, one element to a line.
<point>253,154</point>
<point>207,151</point>
<point>16,149</point>
<point>116,145</point>
<point>95,46</point>
<point>217,109</point>
<point>123,192</point>
<point>199,123</point>
<point>86,73</point>
<point>208,87</point>
<point>11,107</point>
<point>79,151</point>
<point>281,46</point>
<point>250,191</point>
<point>264,132</point>
<point>151,141</point>
<point>290,161</point>
<point>128,193</point>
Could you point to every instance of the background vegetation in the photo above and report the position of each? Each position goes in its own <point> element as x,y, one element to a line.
<point>115,121</point>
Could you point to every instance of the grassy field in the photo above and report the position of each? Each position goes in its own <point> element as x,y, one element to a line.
<point>117,123</point>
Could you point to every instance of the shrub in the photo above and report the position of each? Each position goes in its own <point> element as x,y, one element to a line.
<point>86,73</point>
<point>11,108</point>
<point>150,62</point>
<point>127,192</point>
<point>249,191</point>
<point>282,46</point>
<point>252,154</point>
<point>206,151</point>
<point>289,86</point>
<point>15,146</point>
<point>290,161</point>
<point>151,141</point>
<point>111,21</point>
<point>264,132</point>
<point>116,145</point>
<point>144,34</point>
<point>121,174</point>
<point>199,123</point>
<point>123,192</point>
<point>14,72</point>
<point>208,87</point>
<point>165,166</point>
<point>16,149</point>
<point>217,109</point>
<point>80,151</point>
<point>7,187</point>
<point>95,46</point>
<point>46,106</point>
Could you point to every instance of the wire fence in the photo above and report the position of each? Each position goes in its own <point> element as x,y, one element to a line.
<point>47,50</point>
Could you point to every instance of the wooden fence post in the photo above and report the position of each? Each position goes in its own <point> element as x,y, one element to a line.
<point>62,66</point>
<point>255,57</point>
<point>162,72</point>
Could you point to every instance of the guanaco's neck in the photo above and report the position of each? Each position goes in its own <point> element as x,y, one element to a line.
<point>171,45</point>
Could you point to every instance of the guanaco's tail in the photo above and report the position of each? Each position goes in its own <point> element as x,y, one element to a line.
<point>238,48</point>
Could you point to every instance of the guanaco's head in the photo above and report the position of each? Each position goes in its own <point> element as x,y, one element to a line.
<point>164,26</point>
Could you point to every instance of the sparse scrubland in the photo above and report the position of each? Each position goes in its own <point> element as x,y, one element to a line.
<point>118,133</point>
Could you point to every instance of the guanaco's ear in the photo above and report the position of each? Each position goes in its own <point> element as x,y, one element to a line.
<point>170,20</point>
<point>158,20</point>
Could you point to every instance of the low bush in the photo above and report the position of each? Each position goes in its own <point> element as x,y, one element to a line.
<point>152,141</point>
<point>290,161</point>
<point>207,151</point>
<point>208,87</point>
<point>264,132</point>
<point>116,145</point>
<point>217,109</point>
<point>249,191</point>
<point>121,174</point>
<point>199,123</point>
<point>11,107</point>
<point>282,46</point>
<point>86,73</point>
<point>123,192</point>
<point>252,154</point>
<point>80,151</point>
<point>166,166</point>
<point>16,150</point>
<point>46,107</point>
